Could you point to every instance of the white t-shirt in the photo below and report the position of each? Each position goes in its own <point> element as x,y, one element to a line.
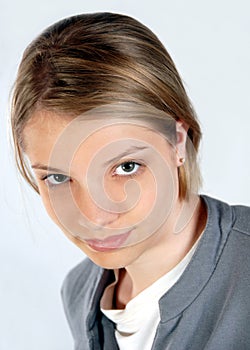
<point>136,324</point>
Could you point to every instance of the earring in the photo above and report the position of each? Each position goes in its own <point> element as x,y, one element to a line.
<point>182,160</point>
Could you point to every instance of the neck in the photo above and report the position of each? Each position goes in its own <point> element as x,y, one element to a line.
<point>168,249</point>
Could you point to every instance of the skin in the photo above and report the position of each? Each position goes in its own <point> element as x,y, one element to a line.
<point>141,263</point>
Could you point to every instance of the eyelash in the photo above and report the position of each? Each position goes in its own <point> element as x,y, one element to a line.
<point>136,173</point>
<point>51,185</point>
<point>118,176</point>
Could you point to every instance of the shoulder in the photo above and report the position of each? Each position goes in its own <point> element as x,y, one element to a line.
<point>231,217</point>
<point>80,294</point>
<point>242,219</point>
<point>79,280</point>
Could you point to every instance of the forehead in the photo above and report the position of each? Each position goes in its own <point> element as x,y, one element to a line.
<point>46,129</point>
<point>72,145</point>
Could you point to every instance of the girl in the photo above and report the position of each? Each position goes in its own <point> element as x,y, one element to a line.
<point>105,133</point>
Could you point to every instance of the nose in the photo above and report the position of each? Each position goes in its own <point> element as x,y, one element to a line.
<point>94,212</point>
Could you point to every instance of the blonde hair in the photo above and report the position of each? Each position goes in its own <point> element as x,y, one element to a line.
<point>90,60</point>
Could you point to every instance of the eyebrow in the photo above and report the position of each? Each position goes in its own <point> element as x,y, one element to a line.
<point>129,151</point>
<point>45,167</point>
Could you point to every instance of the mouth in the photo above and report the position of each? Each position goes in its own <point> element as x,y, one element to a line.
<point>109,243</point>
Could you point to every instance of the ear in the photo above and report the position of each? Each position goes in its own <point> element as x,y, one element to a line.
<point>181,138</point>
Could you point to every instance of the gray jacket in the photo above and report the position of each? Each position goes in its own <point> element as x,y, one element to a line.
<point>208,307</point>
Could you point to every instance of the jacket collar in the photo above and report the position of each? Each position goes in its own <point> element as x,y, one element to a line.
<point>220,220</point>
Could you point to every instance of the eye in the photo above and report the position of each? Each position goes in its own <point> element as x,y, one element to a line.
<point>56,179</point>
<point>127,168</point>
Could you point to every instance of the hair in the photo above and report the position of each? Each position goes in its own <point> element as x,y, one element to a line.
<point>90,60</point>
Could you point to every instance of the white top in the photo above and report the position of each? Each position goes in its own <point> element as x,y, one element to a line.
<point>136,324</point>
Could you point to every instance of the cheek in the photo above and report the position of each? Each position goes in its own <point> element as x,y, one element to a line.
<point>52,214</point>
<point>48,205</point>
<point>157,196</point>
<point>147,198</point>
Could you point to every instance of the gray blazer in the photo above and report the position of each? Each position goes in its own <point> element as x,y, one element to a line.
<point>207,308</point>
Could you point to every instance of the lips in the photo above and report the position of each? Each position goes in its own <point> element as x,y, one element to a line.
<point>109,243</point>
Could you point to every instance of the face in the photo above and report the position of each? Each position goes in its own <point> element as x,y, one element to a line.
<point>111,186</point>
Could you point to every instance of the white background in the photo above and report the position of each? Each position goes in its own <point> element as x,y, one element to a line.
<point>210,43</point>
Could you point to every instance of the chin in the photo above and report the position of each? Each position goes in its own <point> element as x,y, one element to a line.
<point>115,259</point>
<point>112,259</point>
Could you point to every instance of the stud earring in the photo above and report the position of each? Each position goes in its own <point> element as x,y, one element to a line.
<point>182,160</point>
